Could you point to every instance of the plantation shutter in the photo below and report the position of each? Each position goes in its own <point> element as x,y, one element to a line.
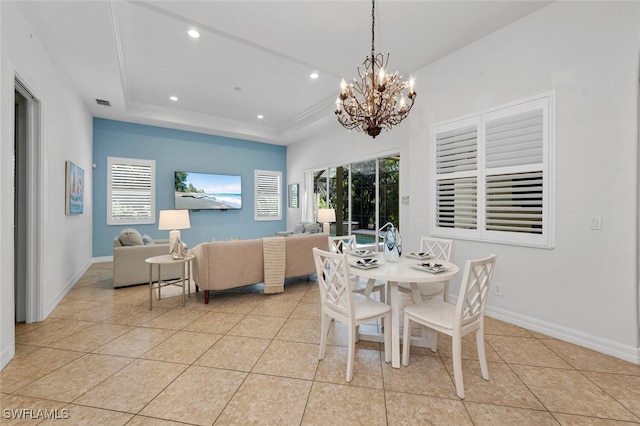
<point>456,181</point>
<point>268,195</point>
<point>456,150</point>
<point>457,203</point>
<point>514,140</point>
<point>493,172</point>
<point>514,201</point>
<point>131,191</point>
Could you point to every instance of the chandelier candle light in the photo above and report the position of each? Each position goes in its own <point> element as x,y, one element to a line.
<point>376,101</point>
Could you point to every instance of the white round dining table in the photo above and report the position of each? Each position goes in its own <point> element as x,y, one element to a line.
<point>406,270</point>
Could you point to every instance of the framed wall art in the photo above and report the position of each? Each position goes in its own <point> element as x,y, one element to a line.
<point>293,196</point>
<point>74,189</point>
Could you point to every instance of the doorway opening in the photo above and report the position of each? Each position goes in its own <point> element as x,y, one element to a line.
<point>26,205</point>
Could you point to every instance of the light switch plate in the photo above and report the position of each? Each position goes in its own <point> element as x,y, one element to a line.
<point>595,222</point>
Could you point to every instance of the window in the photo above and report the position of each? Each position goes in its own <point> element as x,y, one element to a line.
<point>268,195</point>
<point>493,174</point>
<point>131,191</point>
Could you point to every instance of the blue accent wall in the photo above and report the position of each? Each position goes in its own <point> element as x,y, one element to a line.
<point>187,151</point>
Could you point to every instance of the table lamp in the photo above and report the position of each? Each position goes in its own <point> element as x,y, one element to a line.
<point>174,220</point>
<point>326,217</point>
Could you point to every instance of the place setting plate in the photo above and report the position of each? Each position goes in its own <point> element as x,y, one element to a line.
<point>419,255</point>
<point>362,253</point>
<point>433,267</point>
<point>365,263</point>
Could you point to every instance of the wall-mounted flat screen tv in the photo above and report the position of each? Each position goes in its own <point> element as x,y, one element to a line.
<point>207,191</point>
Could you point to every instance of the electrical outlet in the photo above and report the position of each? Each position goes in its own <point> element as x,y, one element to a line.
<point>497,289</point>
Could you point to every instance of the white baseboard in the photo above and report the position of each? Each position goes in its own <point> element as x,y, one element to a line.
<point>62,293</point>
<point>589,341</point>
<point>7,355</point>
<point>598,344</point>
<point>102,259</point>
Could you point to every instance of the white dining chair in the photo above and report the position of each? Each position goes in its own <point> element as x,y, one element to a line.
<point>440,249</point>
<point>345,244</point>
<point>457,320</point>
<point>342,243</point>
<point>339,303</point>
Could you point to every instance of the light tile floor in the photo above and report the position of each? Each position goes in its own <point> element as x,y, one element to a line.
<point>248,358</point>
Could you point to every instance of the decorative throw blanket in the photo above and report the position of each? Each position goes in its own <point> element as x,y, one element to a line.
<point>274,253</point>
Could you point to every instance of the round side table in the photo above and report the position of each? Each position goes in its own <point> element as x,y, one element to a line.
<point>168,260</point>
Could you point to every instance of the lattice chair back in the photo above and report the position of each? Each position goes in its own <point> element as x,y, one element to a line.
<point>438,247</point>
<point>332,271</point>
<point>342,244</point>
<point>474,291</point>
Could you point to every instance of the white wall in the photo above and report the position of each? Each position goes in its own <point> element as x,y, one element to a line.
<point>66,135</point>
<point>585,290</point>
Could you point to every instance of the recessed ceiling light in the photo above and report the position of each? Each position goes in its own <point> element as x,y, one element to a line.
<point>173,98</point>
<point>260,116</point>
<point>193,33</point>
<point>314,75</point>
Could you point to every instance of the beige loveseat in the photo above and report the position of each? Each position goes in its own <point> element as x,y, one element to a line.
<point>129,267</point>
<point>221,265</point>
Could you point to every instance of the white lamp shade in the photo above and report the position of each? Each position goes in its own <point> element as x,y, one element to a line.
<point>173,219</point>
<point>326,215</point>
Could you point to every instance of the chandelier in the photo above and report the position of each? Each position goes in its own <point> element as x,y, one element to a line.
<point>376,101</point>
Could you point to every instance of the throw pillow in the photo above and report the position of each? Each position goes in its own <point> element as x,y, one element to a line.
<point>147,240</point>
<point>312,228</point>
<point>298,229</point>
<point>130,237</point>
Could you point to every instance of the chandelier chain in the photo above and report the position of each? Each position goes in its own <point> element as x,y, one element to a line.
<point>373,26</point>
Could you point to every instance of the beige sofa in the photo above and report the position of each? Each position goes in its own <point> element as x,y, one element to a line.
<point>221,265</point>
<point>129,267</point>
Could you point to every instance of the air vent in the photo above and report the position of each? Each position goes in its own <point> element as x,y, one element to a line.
<point>103,102</point>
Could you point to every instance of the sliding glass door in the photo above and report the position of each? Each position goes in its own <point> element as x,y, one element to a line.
<point>365,196</point>
<point>364,200</point>
<point>389,191</point>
